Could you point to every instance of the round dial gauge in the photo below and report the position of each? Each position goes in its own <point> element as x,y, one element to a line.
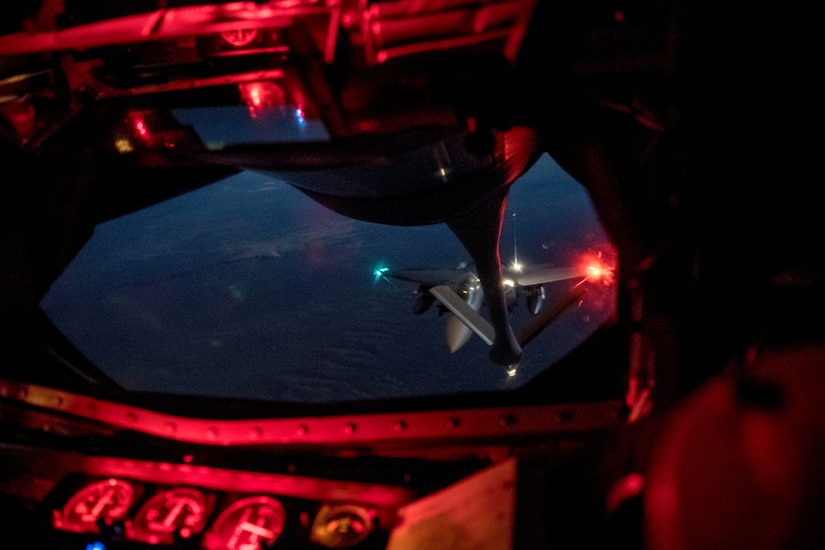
<point>107,500</point>
<point>240,37</point>
<point>341,526</point>
<point>247,524</point>
<point>179,510</point>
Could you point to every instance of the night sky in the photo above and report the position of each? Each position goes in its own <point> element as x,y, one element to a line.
<point>247,288</point>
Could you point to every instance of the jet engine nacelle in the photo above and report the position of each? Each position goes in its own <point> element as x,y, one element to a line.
<point>534,295</point>
<point>469,289</point>
<point>423,299</point>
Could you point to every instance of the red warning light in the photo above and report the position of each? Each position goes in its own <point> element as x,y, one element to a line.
<point>140,128</point>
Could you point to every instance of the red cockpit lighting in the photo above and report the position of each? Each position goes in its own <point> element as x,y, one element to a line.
<point>147,128</point>
<point>21,115</point>
<point>140,128</point>
<point>259,95</point>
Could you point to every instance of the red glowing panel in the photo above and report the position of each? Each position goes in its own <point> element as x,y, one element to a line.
<point>247,524</point>
<point>108,501</point>
<point>180,510</point>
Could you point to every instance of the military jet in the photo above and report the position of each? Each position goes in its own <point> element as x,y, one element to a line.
<point>459,292</point>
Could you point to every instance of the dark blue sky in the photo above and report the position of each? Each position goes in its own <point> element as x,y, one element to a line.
<point>246,288</point>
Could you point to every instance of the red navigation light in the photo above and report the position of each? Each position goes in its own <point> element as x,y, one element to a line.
<point>596,271</point>
<point>595,268</point>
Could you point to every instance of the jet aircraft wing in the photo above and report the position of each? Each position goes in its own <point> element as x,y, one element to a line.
<point>429,277</point>
<point>458,291</point>
<point>531,275</point>
<point>537,275</point>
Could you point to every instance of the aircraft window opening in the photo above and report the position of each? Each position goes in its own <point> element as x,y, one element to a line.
<point>248,289</point>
